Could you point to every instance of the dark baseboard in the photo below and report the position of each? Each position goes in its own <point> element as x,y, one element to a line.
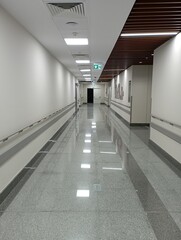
<point>168,159</point>
<point>34,162</point>
<point>139,124</point>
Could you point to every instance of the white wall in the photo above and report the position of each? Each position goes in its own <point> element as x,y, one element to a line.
<point>99,91</point>
<point>141,80</point>
<point>166,94</point>
<point>33,84</point>
<point>123,79</point>
<point>107,94</point>
<point>141,94</point>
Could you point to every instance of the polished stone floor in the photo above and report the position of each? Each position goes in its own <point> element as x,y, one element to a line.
<point>99,180</point>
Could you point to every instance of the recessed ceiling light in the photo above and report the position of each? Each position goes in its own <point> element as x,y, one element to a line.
<point>87,141</point>
<point>85,70</point>
<point>93,123</point>
<point>82,61</point>
<point>76,41</point>
<point>148,34</point>
<point>93,126</point>
<point>86,75</point>
<point>140,62</point>
<point>87,78</point>
<point>83,193</point>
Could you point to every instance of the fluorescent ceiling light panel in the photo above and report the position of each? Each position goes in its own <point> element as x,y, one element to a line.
<point>87,141</point>
<point>86,75</point>
<point>93,126</point>
<point>148,34</point>
<point>93,123</point>
<point>109,168</point>
<point>86,166</point>
<point>83,193</point>
<point>82,61</point>
<point>85,70</point>
<point>76,41</point>
<point>86,151</point>
<point>109,152</point>
<point>88,135</point>
<point>87,78</point>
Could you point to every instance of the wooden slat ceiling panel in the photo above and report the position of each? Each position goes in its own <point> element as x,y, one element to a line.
<point>146,16</point>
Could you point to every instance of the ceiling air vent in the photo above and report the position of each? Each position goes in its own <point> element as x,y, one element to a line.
<point>76,8</point>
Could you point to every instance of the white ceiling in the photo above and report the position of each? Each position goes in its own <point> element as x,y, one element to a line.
<point>102,24</point>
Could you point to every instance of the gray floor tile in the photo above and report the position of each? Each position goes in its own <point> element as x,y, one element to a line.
<point>117,200</point>
<point>125,225</point>
<point>130,198</point>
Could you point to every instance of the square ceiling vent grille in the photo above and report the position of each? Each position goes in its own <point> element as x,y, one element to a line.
<point>76,8</point>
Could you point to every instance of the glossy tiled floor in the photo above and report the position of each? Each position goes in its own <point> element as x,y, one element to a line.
<point>100,180</point>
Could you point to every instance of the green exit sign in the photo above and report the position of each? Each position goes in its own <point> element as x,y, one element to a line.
<point>97,66</point>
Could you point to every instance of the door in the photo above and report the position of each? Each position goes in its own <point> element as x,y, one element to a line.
<point>90,95</point>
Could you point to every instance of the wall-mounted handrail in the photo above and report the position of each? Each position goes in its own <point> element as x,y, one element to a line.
<point>33,124</point>
<point>121,104</point>
<point>166,121</point>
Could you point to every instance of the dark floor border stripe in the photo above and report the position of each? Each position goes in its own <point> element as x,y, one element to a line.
<point>139,124</point>
<point>11,152</point>
<point>17,183</point>
<point>157,214</point>
<point>166,132</point>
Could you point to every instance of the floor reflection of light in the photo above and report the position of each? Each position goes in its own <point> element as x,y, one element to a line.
<point>83,193</point>
<point>87,141</point>
<point>87,166</point>
<point>88,135</point>
<point>108,152</point>
<point>109,168</point>
<point>86,151</point>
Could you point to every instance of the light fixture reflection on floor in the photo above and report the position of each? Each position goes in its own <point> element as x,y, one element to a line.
<point>109,168</point>
<point>108,152</point>
<point>86,166</point>
<point>88,135</point>
<point>86,151</point>
<point>83,193</point>
<point>87,141</point>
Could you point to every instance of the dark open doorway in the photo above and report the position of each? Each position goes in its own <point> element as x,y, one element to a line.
<point>90,95</point>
